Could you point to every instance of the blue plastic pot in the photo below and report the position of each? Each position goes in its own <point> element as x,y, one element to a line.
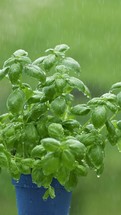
<point>30,202</point>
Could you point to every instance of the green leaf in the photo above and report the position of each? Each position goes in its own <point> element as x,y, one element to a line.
<point>2,147</point>
<point>86,138</point>
<point>36,176</point>
<point>20,52</point>
<point>61,69</point>
<point>76,147</point>
<point>14,170</point>
<point>58,106</point>
<point>26,88</point>
<point>38,151</point>
<point>62,48</point>
<point>40,179</point>
<point>49,92</point>
<point>81,170</point>
<point>3,160</point>
<point>60,84</point>
<point>31,134</point>
<point>119,124</point>
<point>56,130</point>
<point>72,182</point>
<point>24,60</point>
<point>99,116</point>
<point>119,99</point>
<point>96,156</point>
<point>49,192</point>
<point>49,61</point>
<point>52,192</point>
<point>14,73</point>
<point>39,61</point>
<point>26,165</point>
<point>80,109</point>
<point>15,101</point>
<point>109,97</point>
<point>96,101</point>
<point>50,144</point>
<point>71,64</point>
<point>50,163</point>
<point>36,111</point>
<point>71,124</point>
<point>78,84</point>
<point>42,127</point>
<point>119,145</point>
<point>63,175</point>
<point>116,86</point>
<point>9,62</point>
<point>35,72</point>
<point>110,127</point>
<point>3,72</point>
<point>111,106</point>
<point>68,159</point>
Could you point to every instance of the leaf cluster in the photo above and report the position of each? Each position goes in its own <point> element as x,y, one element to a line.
<point>43,133</point>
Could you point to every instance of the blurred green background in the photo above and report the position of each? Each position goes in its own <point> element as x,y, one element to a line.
<point>92,28</point>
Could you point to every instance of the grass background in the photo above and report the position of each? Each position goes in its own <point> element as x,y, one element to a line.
<point>92,28</point>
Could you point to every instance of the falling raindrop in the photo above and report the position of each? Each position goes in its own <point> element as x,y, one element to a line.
<point>98,176</point>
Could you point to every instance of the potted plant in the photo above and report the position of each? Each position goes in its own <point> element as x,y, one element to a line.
<point>46,140</point>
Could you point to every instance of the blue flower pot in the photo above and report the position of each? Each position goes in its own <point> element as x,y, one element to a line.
<point>30,202</point>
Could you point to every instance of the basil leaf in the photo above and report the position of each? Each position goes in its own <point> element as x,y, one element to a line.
<point>14,170</point>
<point>15,101</point>
<point>49,61</point>
<point>49,92</point>
<point>86,139</point>
<point>60,83</point>
<point>3,72</point>
<point>111,106</point>
<point>50,144</point>
<point>24,60</point>
<point>76,147</point>
<point>99,116</point>
<point>37,111</point>
<point>71,64</point>
<point>35,72</point>
<point>68,159</point>
<point>96,156</point>
<point>72,182</point>
<point>81,109</point>
<point>39,61</point>
<point>62,48</point>
<point>56,130</point>
<point>71,124</point>
<point>116,86</point>
<point>42,127</point>
<point>78,84</point>
<point>50,163</point>
<point>109,97</point>
<point>58,106</point>
<point>81,170</point>
<point>119,99</point>
<point>3,160</point>
<point>31,134</point>
<point>40,179</point>
<point>63,175</point>
<point>14,73</point>
<point>2,147</point>
<point>38,151</point>
<point>20,52</point>
<point>49,192</point>
<point>110,127</point>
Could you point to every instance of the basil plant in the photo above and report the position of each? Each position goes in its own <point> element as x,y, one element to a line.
<point>43,132</point>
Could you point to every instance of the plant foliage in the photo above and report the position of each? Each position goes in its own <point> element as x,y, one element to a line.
<point>43,133</point>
